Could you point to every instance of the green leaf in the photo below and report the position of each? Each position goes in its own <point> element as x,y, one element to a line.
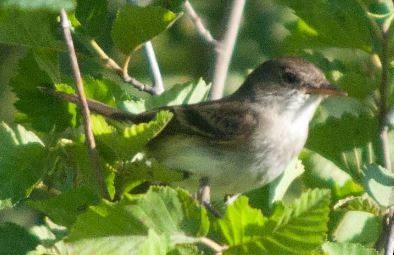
<point>379,183</point>
<point>241,223</point>
<point>45,113</point>
<point>15,239</point>
<point>130,174</point>
<point>135,25</point>
<point>265,197</point>
<point>93,16</point>
<point>29,28</point>
<point>186,93</point>
<point>363,203</point>
<point>127,141</point>
<point>357,227</point>
<point>322,173</point>
<point>22,162</point>
<point>333,23</point>
<point>52,5</point>
<point>65,208</point>
<point>348,141</point>
<point>150,244</point>
<point>297,229</point>
<point>170,213</point>
<point>348,249</point>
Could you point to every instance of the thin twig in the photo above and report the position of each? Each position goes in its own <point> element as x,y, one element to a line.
<point>201,29</point>
<point>217,248</point>
<point>157,79</point>
<point>225,49</point>
<point>97,171</point>
<point>111,64</point>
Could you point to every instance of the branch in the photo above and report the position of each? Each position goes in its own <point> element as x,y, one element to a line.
<point>387,235</point>
<point>217,248</point>
<point>154,68</point>
<point>225,49</point>
<point>202,31</point>
<point>97,171</point>
<point>111,64</point>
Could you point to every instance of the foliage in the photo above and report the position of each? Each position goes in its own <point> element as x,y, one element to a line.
<point>331,200</point>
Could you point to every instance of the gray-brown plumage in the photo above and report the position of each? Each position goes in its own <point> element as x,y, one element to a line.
<point>244,140</point>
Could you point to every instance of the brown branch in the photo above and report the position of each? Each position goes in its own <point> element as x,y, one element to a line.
<point>97,171</point>
<point>111,64</point>
<point>225,49</point>
<point>202,31</point>
<point>217,248</point>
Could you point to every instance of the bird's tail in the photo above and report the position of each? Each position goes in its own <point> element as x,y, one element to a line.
<point>94,106</point>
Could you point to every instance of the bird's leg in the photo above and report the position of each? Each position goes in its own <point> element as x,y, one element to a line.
<point>204,196</point>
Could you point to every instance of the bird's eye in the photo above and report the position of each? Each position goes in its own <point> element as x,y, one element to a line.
<point>290,77</point>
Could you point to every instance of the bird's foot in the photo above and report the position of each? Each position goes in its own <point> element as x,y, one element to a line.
<point>204,197</point>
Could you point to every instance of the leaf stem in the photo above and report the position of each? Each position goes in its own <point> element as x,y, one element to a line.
<point>111,64</point>
<point>225,49</point>
<point>201,29</point>
<point>217,248</point>
<point>91,144</point>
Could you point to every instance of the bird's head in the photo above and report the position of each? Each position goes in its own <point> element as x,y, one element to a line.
<point>285,75</point>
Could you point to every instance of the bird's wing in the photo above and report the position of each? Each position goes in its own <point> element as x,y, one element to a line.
<point>219,120</point>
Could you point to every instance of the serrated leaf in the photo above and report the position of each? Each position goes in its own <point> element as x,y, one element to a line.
<point>150,244</point>
<point>52,5</point>
<point>93,16</point>
<point>348,249</point>
<point>186,93</point>
<point>322,173</point>
<point>169,213</point>
<point>357,227</point>
<point>43,112</point>
<point>363,203</point>
<point>349,141</point>
<point>22,162</point>
<point>330,23</point>
<point>127,141</point>
<point>135,25</point>
<point>379,183</point>
<point>297,229</point>
<point>64,208</point>
<point>14,239</point>
<point>29,28</point>
<point>241,223</point>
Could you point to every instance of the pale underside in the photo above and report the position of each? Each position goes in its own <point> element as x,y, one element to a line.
<point>247,162</point>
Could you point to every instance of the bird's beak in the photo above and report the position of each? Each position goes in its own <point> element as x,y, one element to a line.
<point>326,89</point>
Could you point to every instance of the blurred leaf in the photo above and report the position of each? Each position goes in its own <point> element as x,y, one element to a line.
<point>379,183</point>
<point>172,5</point>
<point>171,214</point>
<point>92,14</point>
<point>322,173</point>
<point>357,227</point>
<point>186,93</point>
<point>135,25</point>
<point>297,229</point>
<point>29,28</point>
<point>22,161</point>
<point>127,141</point>
<point>348,249</point>
<point>333,23</point>
<point>241,223</point>
<point>64,208</point>
<point>52,5</point>
<point>45,113</point>
<point>15,239</point>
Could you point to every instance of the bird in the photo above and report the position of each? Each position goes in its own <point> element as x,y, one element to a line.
<point>242,141</point>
